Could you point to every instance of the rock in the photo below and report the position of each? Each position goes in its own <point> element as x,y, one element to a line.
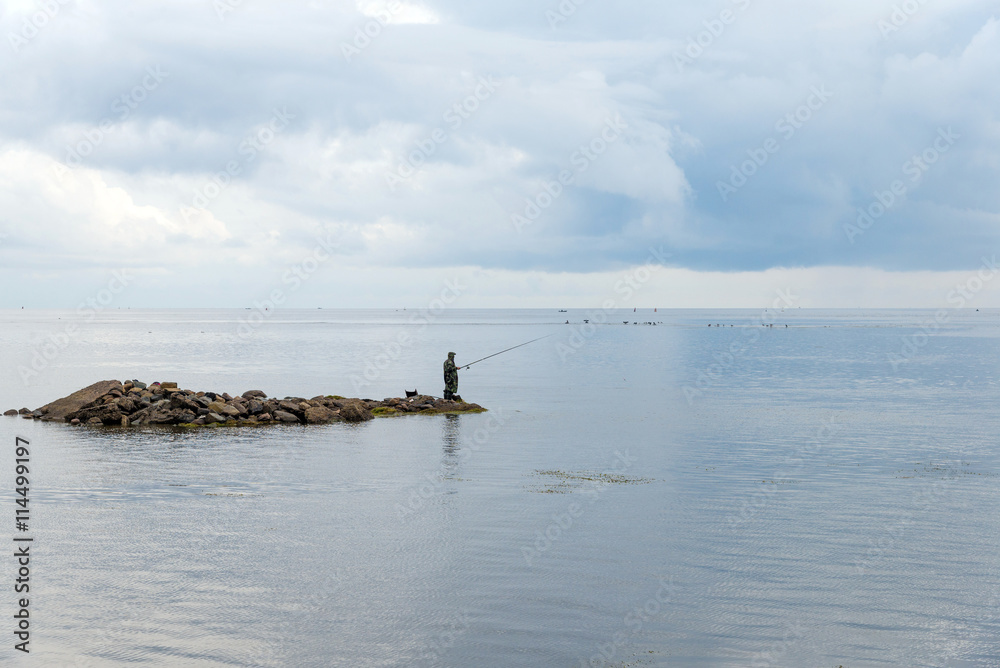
<point>184,403</point>
<point>133,404</point>
<point>107,413</point>
<point>223,409</point>
<point>10,413</point>
<point>125,405</point>
<point>162,413</point>
<point>59,409</point>
<point>284,416</point>
<point>139,417</point>
<point>355,411</point>
<point>320,415</point>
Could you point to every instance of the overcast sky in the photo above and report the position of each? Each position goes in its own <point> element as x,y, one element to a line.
<point>366,153</point>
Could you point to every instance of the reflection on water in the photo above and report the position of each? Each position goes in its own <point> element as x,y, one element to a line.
<point>810,504</point>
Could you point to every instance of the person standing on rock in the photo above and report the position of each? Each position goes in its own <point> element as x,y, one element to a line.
<point>450,377</point>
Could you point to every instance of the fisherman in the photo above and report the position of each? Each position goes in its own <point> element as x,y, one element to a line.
<point>450,377</point>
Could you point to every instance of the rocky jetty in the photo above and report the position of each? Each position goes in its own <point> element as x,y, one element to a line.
<point>134,403</point>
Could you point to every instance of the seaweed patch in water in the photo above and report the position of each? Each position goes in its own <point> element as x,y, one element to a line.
<point>945,471</point>
<point>571,481</point>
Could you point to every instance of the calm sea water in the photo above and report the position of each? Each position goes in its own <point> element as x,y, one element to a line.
<point>821,494</point>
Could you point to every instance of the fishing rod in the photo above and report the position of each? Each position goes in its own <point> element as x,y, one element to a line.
<point>466,366</point>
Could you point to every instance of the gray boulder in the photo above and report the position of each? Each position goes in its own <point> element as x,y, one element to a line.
<point>320,415</point>
<point>59,409</point>
<point>355,411</point>
<point>285,416</point>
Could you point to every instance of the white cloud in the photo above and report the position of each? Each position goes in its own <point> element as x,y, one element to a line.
<point>551,93</point>
<point>78,210</point>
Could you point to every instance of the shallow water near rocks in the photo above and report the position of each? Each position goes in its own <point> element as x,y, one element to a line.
<point>670,495</point>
